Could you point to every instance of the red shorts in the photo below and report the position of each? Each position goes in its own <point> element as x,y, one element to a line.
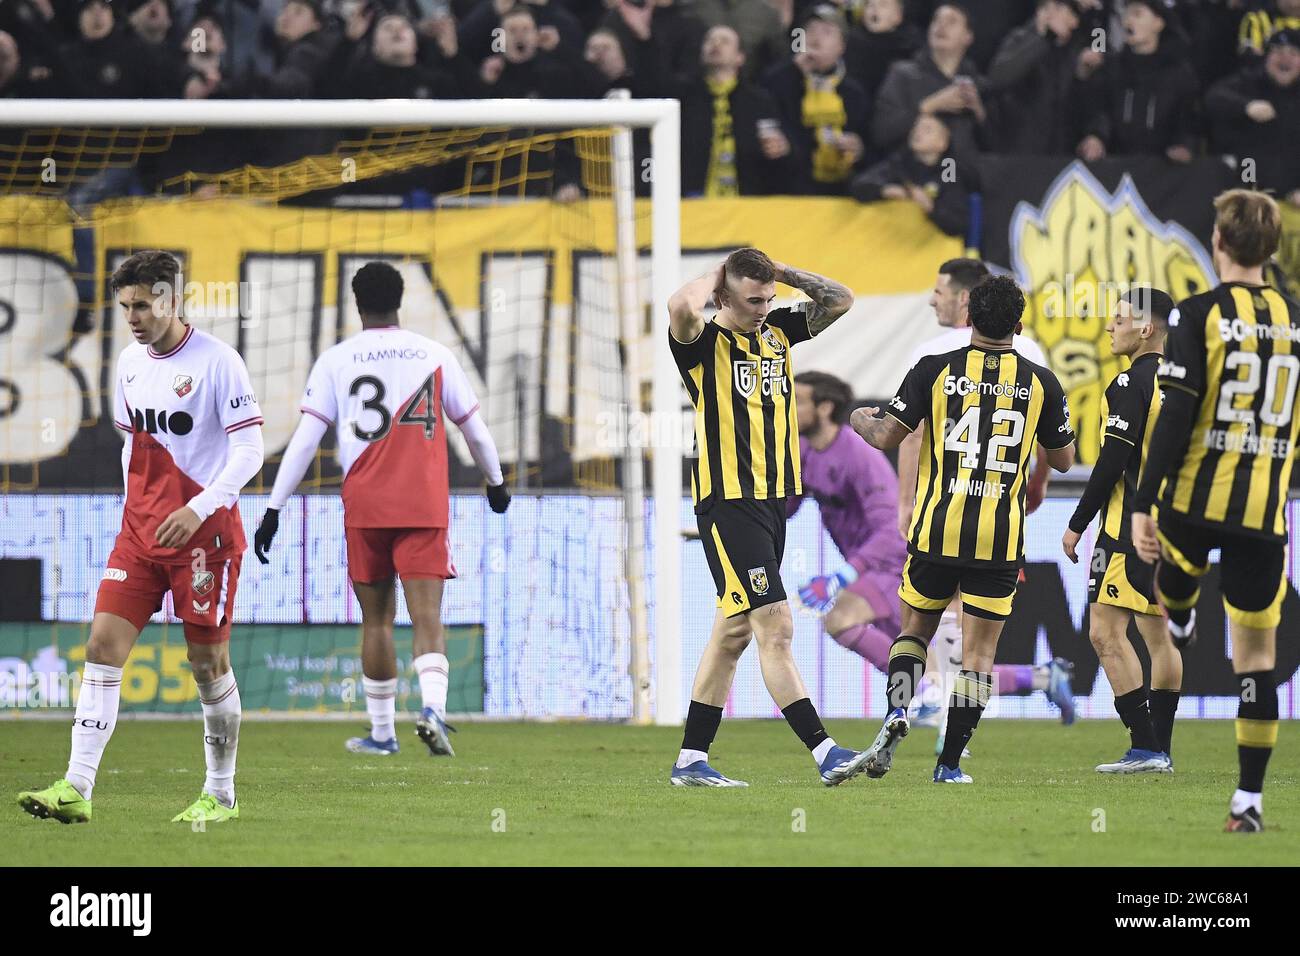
<point>133,588</point>
<point>375,553</point>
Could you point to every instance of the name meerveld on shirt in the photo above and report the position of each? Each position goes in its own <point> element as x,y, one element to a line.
<point>74,908</point>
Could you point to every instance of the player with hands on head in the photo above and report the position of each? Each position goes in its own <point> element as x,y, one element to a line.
<point>736,369</point>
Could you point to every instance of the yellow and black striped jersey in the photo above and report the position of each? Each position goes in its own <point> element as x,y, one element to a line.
<point>742,387</point>
<point>1235,348</point>
<point>1128,414</point>
<point>983,410</point>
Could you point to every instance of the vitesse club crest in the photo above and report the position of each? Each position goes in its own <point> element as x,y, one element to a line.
<point>772,341</point>
<point>182,385</point>
<point>202,583</point>
<point>758,580</point>
<point>990,362</point>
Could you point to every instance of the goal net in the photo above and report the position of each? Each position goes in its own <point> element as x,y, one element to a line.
<point>522,248</point>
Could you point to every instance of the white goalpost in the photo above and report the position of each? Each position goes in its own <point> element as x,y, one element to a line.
<point>655,670</point>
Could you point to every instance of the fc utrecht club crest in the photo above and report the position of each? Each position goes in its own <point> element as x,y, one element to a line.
<point>202,583</point>
<point>758,580</point>
<point>182,385</point>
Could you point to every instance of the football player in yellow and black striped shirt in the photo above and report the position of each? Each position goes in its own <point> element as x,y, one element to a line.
<point>736,368</point>
<point>984,406</point>
<point>1121,586</point>
<point>1219,465</point>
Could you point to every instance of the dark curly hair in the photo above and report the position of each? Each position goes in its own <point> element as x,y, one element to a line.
<point>996,305</point>
<point>378,288</point>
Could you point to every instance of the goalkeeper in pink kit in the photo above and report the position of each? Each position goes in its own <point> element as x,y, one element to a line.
<point>857,492</point>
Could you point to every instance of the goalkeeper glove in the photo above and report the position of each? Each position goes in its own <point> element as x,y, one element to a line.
<point>498,498</point>
<point>819,593</point>
<point>265,532</point>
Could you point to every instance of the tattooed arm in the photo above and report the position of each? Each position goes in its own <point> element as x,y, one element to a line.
<point>885,432</point>
<point>830,300</point>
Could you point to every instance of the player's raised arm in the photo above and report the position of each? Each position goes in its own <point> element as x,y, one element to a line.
<point>829,298</point>
<point>686,305</point>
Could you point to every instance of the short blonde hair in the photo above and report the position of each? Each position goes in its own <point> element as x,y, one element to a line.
<point>1249,224</point>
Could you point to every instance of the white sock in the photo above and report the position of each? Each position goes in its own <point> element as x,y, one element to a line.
<point>948,638</point>
<point>1241,799</point>
<point>434,671</point>
<point>221,715</point>
<point>381,705</point>
<point>101,689</point>
<point>688,757</point>
<point>822,749</point>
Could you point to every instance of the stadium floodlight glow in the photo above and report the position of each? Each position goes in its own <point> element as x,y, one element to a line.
<point>660,116</point>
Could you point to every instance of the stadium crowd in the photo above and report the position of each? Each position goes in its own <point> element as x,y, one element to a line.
<point>861,97</point>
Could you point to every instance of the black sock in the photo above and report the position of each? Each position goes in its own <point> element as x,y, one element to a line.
<point>1256,728</point>
<point>1164,704</point>
<point>1137,717</point>
<point>1177,587</point>
<point>906,668</point>
<point>970,695</point>
<point>702,722</point>
<point>803,720</point>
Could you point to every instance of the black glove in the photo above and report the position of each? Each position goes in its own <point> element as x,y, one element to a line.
<point>265,532</point>
<point>498,498</point>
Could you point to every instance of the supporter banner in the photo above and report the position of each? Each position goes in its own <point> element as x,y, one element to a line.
<point>525,293</point>
<point>1076,237</point>
<point>540,610</point>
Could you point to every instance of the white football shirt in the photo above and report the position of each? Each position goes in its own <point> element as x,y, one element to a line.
<point>178,408</point>
<point>388,392</point>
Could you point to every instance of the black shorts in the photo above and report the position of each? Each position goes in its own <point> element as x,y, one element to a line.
<point>744,541</point>
<point>1252,570</point>
<point>929,587</point>
<point>1120,579</point>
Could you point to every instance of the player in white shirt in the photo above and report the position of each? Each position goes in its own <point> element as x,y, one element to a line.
<point>185,401</point>
<point>950,301</point>
<point>388,393</point>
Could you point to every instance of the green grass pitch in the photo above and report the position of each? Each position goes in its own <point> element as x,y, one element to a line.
<point>598,794</point>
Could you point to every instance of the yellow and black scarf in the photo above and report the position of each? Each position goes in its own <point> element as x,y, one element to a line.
<point>721,180</point>
<point>823,113</point>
